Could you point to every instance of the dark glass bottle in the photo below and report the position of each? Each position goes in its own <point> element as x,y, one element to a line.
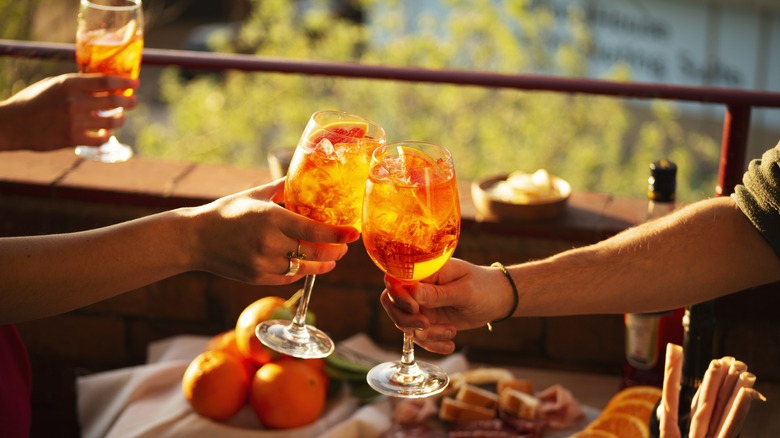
<point>648,333</point>
<point>699,326</point>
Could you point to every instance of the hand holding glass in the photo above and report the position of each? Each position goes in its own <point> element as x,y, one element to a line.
<point>325,182</point>
<point>411,225</point>
<point>109,40</point>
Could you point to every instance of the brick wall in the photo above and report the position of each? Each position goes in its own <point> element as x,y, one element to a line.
<point>54,192</point>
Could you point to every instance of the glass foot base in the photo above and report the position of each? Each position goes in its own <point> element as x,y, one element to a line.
<point>110,152</point>
<point>424,380</point>
<point>308,343</point>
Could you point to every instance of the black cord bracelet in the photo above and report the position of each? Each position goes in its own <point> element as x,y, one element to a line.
<point>514,290</point>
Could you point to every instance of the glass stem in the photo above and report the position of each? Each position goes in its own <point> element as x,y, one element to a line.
<point>408,365</point>
<point>299,320</point>
<point>407,359</point>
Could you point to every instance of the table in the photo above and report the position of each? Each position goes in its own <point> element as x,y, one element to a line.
<point>149,397</point>
<point>595,390</point>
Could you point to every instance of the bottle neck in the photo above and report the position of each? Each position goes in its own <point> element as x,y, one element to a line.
<point>657,208</point>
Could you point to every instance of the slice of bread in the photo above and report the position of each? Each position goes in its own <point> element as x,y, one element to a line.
<point>461,412</point>
<point>519,404</point>
<point>521,385</point>
<point>474,395</point>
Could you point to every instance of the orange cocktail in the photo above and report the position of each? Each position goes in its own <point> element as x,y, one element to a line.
<point>327,174</point>
<point>411,225</point>
<point>109,40</point>
<point>326,180</point>
<point>114,53</point>
<point>412,216</point>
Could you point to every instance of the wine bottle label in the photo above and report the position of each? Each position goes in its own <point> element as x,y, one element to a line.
<point>642,340</point>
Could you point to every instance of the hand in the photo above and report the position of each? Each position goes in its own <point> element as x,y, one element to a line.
<point>459,296</point>
<point>61,111</point>
<point>247,237</point>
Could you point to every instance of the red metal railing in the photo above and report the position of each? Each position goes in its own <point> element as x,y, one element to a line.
<point>738,103</point>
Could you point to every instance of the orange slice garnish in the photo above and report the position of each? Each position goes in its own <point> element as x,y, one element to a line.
<point>643,392</point>
<point>622,425</point>
<point>595,433</point>
<point>637,407</point>
<point>340,132</point>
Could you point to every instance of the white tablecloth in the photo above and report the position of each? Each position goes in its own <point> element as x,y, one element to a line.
<point>147,400</point>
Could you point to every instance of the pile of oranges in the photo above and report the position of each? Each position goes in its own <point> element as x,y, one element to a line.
<point>236,369</point>
<point>626,415</point>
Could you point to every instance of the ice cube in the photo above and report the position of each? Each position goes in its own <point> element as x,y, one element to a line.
<point>325,148</point>
<point>341,152</point>
<point>396,169</point>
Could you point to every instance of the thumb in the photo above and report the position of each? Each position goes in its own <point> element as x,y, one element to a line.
<point>399,295</point>
<point>432,296</point>
<point>441,289</point>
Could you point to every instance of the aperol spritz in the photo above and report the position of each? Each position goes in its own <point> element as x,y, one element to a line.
<point>411,226</point>
<point>109,40</point>
<point>325,182</point>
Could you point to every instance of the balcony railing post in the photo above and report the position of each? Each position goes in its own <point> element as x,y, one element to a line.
<point>736,125</point>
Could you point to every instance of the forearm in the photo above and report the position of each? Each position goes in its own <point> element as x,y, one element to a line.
<point>47,275</point>
<point>9,137</point>
<point>702,252</point>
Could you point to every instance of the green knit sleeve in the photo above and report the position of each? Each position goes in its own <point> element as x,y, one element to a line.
<point>759,196</point>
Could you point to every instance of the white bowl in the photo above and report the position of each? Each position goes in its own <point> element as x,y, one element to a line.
<point>532,209</point>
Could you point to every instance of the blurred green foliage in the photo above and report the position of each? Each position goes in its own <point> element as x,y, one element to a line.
<point>15,23</point>
<point>596,143</point>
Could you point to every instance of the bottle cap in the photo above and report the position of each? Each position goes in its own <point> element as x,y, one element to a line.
<point>662,183</point>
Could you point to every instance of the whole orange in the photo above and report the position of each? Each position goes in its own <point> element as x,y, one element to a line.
<point>253,314</point>
<point>287,394</point>
<point>317,365</point>
<point>215,384</point>
<point>226,341</point>
<point>222,341</point>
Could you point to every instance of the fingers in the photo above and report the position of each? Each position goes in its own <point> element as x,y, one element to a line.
<point>437,290</point>
<point>278,196</point>
<point>92,103</point>
<point>436,338</point>
<point>92,121</point>
<point>265,236</point>
<point>399,295</point>
<point>312,268</point>
<point>303,269</point>
<point>276,269</point>
<point>98,82</point>
<point>90,129</point>
<point>308,258</point>
<point>319,252</point>
<point>93,92</point>
<point>427,340</point>
<point>301,227</point>
<point>403,318</point>
<point>84,104</point>
<point>312,231</point>
<point>273,191</point>
<point>85,138</point>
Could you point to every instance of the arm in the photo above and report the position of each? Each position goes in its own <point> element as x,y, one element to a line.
<point>701,252</point>
<point>705,251</point>
<point>244,237</point>
<point>61,111</point>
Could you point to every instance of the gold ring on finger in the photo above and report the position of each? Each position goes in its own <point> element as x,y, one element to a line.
<point>297,254</point>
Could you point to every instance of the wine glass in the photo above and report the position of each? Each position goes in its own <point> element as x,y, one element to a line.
<point>325,182</point>
<point>109,39</point>
<point>411,225</point>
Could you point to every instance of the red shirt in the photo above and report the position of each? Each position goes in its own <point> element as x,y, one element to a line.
<point>15,384</point>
